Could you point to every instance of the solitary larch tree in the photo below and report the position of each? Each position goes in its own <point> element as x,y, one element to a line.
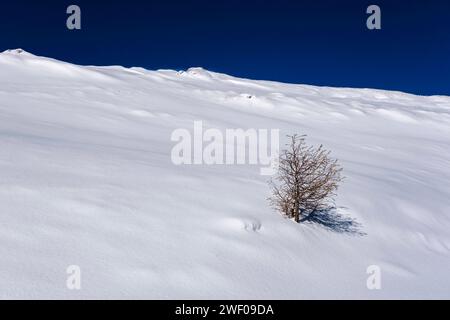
<point>307,180</point>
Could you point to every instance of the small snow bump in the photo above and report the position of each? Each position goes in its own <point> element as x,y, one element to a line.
<point>241,223</point>
<point>199,73</point>
<point>17,52</point>
<point>196,70</point>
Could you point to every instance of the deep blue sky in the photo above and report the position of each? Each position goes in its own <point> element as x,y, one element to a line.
<point>319,42</point>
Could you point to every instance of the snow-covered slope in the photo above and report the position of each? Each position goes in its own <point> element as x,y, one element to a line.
<point>86,179</point>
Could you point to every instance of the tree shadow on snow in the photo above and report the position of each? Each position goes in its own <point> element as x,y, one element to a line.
<point>332,220</point>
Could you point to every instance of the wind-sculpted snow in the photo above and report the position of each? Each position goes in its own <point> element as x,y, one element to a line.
<point>86,179</point>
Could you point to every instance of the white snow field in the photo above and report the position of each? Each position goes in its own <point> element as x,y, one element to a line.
<point>86,179</point>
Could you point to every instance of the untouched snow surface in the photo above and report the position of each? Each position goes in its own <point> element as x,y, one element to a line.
<point>86,179</point>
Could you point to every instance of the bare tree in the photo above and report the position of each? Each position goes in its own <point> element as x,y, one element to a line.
<point>306,181</point>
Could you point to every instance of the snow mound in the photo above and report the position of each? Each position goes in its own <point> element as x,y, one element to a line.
<point>17,52</point>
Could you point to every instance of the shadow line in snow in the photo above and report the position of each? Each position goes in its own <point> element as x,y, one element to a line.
<point>332,220</point>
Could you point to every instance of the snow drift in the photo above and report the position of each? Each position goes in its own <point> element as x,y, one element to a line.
<point>86,179</point>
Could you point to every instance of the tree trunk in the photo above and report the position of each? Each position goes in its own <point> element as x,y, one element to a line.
<point>297,212</point>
